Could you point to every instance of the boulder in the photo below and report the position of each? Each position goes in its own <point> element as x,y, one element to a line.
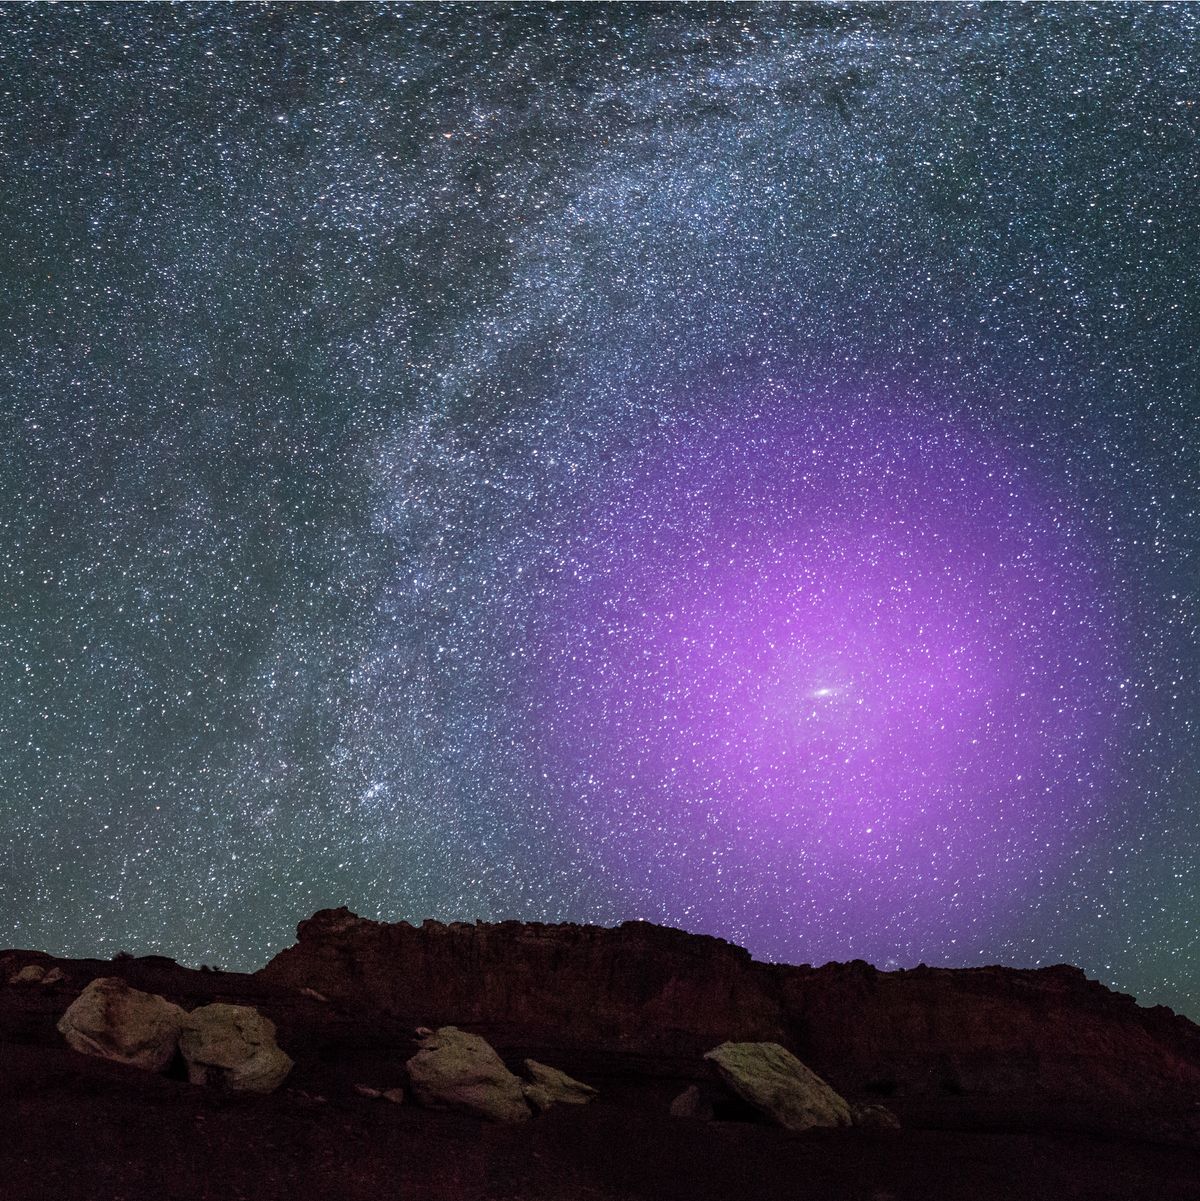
<point>31,973</point>
<point>548,1086</point>
<point>456,1070</point>
<point>771,1079</point>
<point>875,1117</point>
<point>54,976</point>
<point>692,1103</point>
<point>234,1048</point>
<point>111,1020</point>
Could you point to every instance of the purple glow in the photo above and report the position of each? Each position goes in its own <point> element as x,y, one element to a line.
<point>855,665</point>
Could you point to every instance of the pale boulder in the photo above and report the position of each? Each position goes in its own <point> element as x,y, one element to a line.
<point>31,973</point>
<point>111,1020</point>
<point>457,1070</point>
<point>233,1047</point>
<point>770,1078</point>
<point>548,1086</point>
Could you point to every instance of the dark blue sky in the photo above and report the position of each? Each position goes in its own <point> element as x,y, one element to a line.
<point>730,466</point>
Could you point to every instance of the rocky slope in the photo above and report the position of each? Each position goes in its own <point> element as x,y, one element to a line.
<point>1025,1084</point>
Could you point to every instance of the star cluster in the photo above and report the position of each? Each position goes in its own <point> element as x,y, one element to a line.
<point>731,466</point>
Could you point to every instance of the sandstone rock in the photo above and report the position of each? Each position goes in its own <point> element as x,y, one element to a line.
<point>234,1048</point>
<point>111,1020</point>
<point>586,985</point>
<point>540,1099</point>
<point>692,1103</point>
<point>770,1078</point>
<point>456,1070</point>
<point>394,1095</point>
<point>548,1086</point>
<point>875,1117</point>
<point>643,989</point>
<point>35,973</point>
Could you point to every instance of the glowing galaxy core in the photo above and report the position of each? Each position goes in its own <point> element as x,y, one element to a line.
<point>729,465</point>
<point>851,661</point>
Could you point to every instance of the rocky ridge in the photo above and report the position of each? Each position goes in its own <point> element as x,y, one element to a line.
<point>988,1031</point>
<point>984,1083</point>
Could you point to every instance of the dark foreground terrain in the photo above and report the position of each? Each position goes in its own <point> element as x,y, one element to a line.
<point>1009,1084</point>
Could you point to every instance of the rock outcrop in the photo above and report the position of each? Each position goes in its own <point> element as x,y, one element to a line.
<point>586,984</point>
<point>548,1086</point>
<point>111,1020</point>
<point>457,1070</point>
<point>233,1048</point>
<point>640,988</point>
<point>772,1080</point>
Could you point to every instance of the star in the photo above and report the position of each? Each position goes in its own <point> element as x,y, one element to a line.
<point>732,466</point>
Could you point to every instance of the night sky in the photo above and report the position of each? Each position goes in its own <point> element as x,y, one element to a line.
<point>737,467</point>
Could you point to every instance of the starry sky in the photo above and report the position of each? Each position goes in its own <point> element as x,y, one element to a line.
<point>731,466</point>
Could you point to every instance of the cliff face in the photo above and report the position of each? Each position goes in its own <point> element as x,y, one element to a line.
<point>635,985</point>
<point>989,1031</point>
<point>641,988</point>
